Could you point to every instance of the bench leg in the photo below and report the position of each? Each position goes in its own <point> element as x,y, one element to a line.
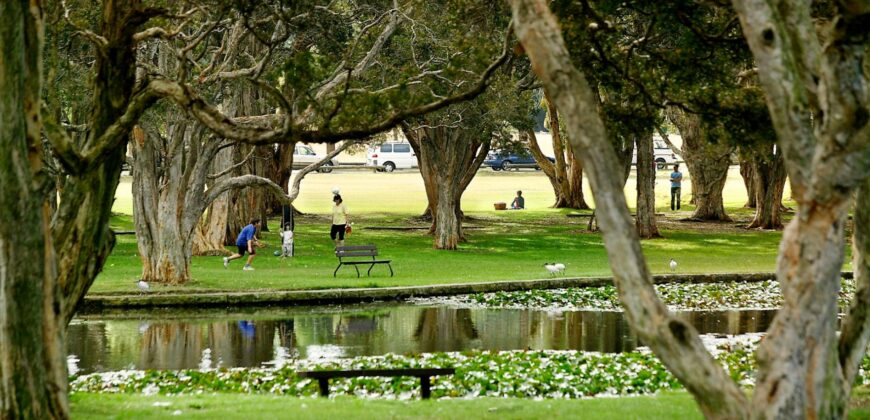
<point>369,273</point>
<point>391,269</point>
<point>334,273</point>
<point>357,271</point>
<point>425,385</point>
<point>324,386</point>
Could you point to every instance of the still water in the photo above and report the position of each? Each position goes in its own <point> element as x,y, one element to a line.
<point>177,340</point>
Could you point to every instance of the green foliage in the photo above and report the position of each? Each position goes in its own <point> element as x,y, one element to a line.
<point>703,296</point>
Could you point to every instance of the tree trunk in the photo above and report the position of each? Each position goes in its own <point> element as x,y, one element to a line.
<point>80,227</point>
<point>855,329</point>
<point>645,219</point>
<point>448,160</point>
<point>768,170</point>
<point>566,175</point>
<point>707,163</point>
<point>674,341</point>
<point>33,382</point>
<point>159,193</point>
<point>212,235</point>
<point>747,173</point>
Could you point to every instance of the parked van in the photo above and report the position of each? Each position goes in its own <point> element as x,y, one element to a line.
<point>662,154</point>
<point>392,156</point>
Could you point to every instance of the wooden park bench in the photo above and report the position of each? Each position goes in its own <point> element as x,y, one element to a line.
<point>323,377</point>
<point>350,255</point>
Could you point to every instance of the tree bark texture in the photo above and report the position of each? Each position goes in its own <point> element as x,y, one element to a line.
<point>747,173</point>
<point>566,174</point>
<point>674,341</point>
<point>645,218</point>
<point>707,163</point>
<point>855,329</point>
<point>818,102</point>
<point>33,378</point>
<point>448,159</point>
<point>768,179</point>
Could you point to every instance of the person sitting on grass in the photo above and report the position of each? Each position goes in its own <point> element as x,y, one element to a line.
<point>519,202</point>
<point>247,241</point>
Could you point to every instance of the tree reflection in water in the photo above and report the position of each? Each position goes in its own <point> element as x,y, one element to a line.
<point>151,341</point>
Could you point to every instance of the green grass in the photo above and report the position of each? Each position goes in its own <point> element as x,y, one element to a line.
<point>668,405</point>
<point>235,406</point>
<point>510,245</point>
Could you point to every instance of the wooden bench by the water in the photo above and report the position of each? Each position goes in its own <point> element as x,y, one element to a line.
<point>323,376</point>
<point>350,255</point>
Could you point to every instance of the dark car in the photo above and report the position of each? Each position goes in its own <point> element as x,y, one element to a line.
<point>505,160</point>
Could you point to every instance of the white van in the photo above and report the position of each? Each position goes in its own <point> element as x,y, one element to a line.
<point>392,156</point>
<point>662,154</point>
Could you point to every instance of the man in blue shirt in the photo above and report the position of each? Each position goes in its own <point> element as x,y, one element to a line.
<point>246,242</point>
<point>676,183</point>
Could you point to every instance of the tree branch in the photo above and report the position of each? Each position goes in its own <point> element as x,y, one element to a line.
<point>677,151</point>
<point>297,180</point>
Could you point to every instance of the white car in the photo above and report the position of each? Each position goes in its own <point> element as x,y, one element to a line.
<point>662,154</point>
<point>304,155</point>
<point>392,156</point>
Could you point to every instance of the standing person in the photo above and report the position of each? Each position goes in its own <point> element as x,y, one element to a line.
<point>519,202</point>
<point>676,183</point>
<point>246,242</point>
<point>287,242</point>
<point>339,221</point>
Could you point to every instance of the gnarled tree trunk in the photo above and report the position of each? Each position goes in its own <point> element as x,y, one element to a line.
<point>674,341</point>
<point>768,180</point>
<point>33,380</point>
<point>707,163</point>
<point>747,173</point>
<point>566,175</point>
<point>448,159</point>
<point>645,218</point>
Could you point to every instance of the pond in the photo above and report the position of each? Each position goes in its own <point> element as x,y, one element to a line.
<point>174,339</point>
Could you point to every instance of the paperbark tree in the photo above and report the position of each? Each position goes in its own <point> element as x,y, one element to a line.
<point>645,213</point>
<point>32,366</point>
<point>566,175</point>
<point>768,184</point>
<point>675,342</point>
<point>448,158</point>
<point>747,172</point>
<point>804,370</point>
<point>63,260</point>
<point>173,186</point>
<point>708,163</point>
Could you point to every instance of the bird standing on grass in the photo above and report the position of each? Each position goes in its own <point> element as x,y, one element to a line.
<point>673,265</point>
<point>554,268</point>
<point>143,285</point>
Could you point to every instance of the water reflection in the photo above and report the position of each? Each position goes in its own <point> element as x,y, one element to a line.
<point>154,341</point>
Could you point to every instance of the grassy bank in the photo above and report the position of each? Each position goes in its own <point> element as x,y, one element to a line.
<point>671,405</point>
<point>510,245</point>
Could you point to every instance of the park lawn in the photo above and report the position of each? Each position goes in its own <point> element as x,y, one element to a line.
<point>239,406</point>
<point>511,245</point>
<point>506,246</point>
<point>666,405</point>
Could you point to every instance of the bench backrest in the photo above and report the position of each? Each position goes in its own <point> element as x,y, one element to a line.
<point>356,251</point>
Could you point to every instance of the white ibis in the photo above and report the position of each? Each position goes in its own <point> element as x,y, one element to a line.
<point>554,268</point>
<point>673,265</point>
<point>143,285</point>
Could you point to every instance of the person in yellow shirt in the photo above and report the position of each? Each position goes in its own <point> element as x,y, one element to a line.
<point>339,221</point>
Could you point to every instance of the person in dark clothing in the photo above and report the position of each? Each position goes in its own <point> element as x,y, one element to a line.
<point>519,202</point>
